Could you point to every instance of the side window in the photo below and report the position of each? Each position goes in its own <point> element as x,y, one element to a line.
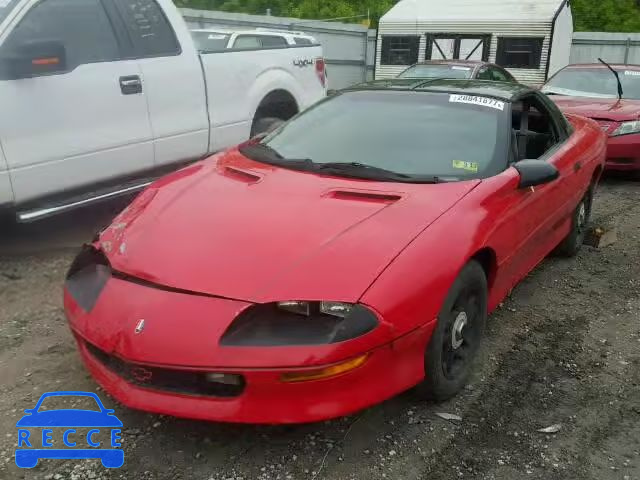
<point>247,41</point>
<point>272,41</point>
<point>399,50</point>
<point>484,74</point>
<point>534,129</point>
<point>498,75</point>
<point>302,41</point>
<point>523,52</point>
<point>152,34</point>
<point>81,25</point>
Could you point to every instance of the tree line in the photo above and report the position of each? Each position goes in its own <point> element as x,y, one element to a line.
<point>589,15</point>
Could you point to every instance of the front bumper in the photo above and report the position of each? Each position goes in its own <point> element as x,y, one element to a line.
<point>623,153</point>
<point>181,336</point>
<point>389,370</point>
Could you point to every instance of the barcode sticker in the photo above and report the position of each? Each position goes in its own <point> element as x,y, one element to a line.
<point>475,100</point>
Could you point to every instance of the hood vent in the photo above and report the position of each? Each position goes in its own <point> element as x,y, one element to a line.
<point>242,175</point>
<point>365,196</point>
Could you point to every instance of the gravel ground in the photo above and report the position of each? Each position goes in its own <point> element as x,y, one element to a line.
<point>564,350</point>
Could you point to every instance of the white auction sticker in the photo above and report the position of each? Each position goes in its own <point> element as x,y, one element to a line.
<point>635,73</point>
<point>465,69</point>
<point>475,100</point>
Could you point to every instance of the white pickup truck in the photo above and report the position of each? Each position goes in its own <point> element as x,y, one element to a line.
<point>97,97</point>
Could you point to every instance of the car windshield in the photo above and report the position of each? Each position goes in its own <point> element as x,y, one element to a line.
<point>5,8</point>
<point>437,71</point>
<point>414,134</point>
<point>594,82</point>
<point>210,41</point>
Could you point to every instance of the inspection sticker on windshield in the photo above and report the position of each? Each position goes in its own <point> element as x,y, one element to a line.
<point>468,166</point>
<point>635,73</point>
<point>474,100</point>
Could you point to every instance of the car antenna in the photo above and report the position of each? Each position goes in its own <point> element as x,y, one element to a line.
<point>620,92</point>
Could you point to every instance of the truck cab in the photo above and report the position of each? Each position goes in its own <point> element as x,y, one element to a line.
<point>100,97</point>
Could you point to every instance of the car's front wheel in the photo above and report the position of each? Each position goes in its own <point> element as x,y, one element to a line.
<point>454,344</point>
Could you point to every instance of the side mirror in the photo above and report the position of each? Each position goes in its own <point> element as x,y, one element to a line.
<point>535,172</point>
<point>35,58</point>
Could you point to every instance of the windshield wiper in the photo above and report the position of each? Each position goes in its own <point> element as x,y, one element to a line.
<point>369,172</point>
<point>265,153</point>
<point>620,91</point>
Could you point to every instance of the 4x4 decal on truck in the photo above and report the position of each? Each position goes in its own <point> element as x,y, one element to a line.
<point>303,62</point>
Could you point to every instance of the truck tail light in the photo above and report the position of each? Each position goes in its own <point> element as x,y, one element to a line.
<point>321,71</point>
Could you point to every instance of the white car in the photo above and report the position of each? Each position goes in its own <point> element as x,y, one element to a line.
<point>97,97</point>
<point>215,40</point>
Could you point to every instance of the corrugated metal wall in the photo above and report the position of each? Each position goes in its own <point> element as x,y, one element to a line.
<point>538,29</point>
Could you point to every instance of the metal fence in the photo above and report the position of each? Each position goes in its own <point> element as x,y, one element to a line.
<point>611,47</point>
<point>349,49</point>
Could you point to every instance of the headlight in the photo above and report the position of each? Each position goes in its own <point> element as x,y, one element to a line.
<point>87,277</point>
<point>299,323</point>
<point>627,128</point>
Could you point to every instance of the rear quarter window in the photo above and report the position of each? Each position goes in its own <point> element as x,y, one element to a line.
<point>151,32</point>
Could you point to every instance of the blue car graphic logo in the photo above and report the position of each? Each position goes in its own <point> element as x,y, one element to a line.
<point>65,422</point>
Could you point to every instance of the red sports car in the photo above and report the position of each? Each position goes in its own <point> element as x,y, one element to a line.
<point>350,255</point>
<point>592,91</point>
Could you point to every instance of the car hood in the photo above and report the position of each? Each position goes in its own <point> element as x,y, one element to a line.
<point>69,418</point>
<point>599,108</point>
<point>239,229</point>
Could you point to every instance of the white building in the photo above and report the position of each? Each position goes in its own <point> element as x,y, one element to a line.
<point>531,38</point>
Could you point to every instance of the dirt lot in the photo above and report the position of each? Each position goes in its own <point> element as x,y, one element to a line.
<point>564,349</point>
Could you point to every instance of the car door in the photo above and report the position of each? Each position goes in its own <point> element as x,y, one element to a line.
<point>87,122</point>
<point>173,79</point>
<point>550,205</point>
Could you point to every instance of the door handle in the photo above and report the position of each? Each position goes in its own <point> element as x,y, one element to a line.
<point>130,85</point>
<point>577,166</point>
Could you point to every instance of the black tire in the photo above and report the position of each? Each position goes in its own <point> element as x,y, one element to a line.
<point>455,342</point>
<point>265,125</point>
<point>572,244</point>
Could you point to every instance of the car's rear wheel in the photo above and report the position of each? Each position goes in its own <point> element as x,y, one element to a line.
<point>572,244</point>
<point>454,344</point>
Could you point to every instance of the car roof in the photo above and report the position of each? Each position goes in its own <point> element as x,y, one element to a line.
<point>462,63</point>
<point>485,88</point>
<point>265,32</point>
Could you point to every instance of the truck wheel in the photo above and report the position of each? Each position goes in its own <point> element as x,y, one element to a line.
<point>455,341</point>
<point>265,125</point>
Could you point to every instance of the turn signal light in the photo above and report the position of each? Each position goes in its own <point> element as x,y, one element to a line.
<point>327,372</point>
